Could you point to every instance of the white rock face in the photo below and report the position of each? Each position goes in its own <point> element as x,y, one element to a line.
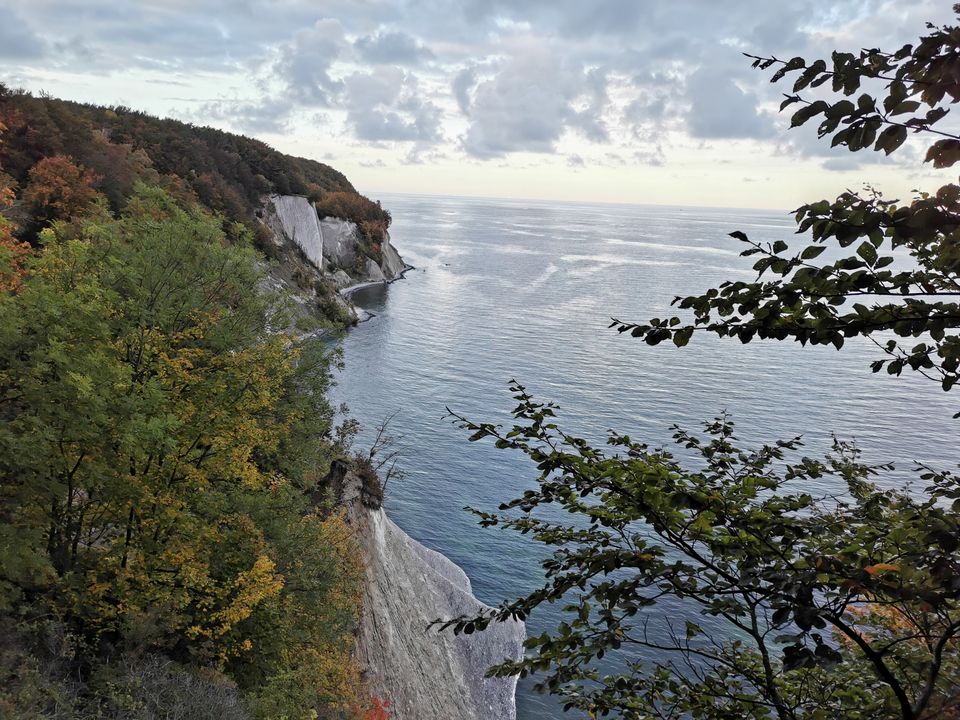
<point>341,279</point>
<point>374,273</point>
<point>296,218</point>
<point>341,237</point>
<point>340,248</point>
<point>392,264</point>
<point>426,674</point>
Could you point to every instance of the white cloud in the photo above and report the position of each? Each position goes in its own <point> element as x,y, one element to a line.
<point>473,84</point>
<point>305,63</point>
<point>719,108</point>
<point>386,105</point>
<point>529,102</point>
<point>18,41</point>
<point>392,48</point>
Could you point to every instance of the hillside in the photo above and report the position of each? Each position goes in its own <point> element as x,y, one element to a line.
<point>169,546</point>
<point>227,173</point>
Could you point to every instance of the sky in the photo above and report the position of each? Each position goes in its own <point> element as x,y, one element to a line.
<point>635,101</point>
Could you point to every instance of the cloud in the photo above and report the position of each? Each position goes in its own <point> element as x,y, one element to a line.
<point>529,103</point>
<point>392,48</point>
<point>79,51</point>
<point>463,83</point>
<point>652,158</point>
<point>423,153</point>
<point>802,142</point>
<point>386,105</point>
<point>252,118</point>
<point>589,119</point>
<point>306,61</point>
<point>17,39</point>
<point>719,108</point>
<point>481,78</point>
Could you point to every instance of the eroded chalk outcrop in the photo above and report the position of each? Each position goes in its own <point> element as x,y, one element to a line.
<point>313,253</point>
<point>341,248</point>
<point>331,245</point>
<point>342,241</point>
<point>424,673</point>
<point>294,218</point>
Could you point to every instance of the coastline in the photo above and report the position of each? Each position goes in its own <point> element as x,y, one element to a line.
<point>350,289</point>
<point>408,586</point>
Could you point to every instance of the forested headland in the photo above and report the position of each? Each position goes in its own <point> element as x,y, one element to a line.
<point>168,547</point>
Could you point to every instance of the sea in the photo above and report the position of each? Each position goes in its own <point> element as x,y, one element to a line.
<point>524,290</point>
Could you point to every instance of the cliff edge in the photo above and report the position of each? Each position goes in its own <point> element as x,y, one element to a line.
<point>425,674</point>
<point>321,260</point>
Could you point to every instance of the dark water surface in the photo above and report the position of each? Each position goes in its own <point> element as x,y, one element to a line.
<point>525,290</point>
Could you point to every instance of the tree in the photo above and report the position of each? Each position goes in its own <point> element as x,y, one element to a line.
<point>13,253</point>
<point>818,303</point>
<point>155,438</point>
<point>798,606</point>
<point>59,189</point>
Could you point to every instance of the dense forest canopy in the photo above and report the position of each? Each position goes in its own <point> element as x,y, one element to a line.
<point>227,173</point>
<point>168,545</point>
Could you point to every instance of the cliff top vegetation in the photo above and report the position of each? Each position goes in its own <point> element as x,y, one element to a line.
<point>168,547</point>
<point>227,173</point>
<point>371,219</point>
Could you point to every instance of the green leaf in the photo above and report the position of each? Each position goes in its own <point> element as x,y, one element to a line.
<point>812,251</point>
<point>682,336</point>
<point>868,252</point>
<point>891,138</point>
<point>908,106</point>
<point>805,113</point>
<point>943,153</point>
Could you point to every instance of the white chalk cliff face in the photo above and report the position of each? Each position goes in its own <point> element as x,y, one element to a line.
<point>424,674</point>
<point>392,264</point>
<point>342,241</point>
<point>328,243</point>
<point>340,249</point>
<point>294,217</point>
<point>427,674</point>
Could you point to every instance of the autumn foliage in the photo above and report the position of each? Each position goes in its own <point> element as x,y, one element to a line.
<point>155,443</point>
<point>59,189</point>
<point>227,173</point>
<point>370,218</point>
<point>13,253</point>
<point>379,710</point>
<point>161,447</point>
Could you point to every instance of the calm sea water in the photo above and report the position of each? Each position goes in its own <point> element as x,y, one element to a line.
<point>525,290</point>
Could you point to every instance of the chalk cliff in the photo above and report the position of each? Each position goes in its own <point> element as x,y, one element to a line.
<point>342,244</point>
<point>424,673</point>
<point>293,218</point>
<point>342,247</point>
<point>321,260</point>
